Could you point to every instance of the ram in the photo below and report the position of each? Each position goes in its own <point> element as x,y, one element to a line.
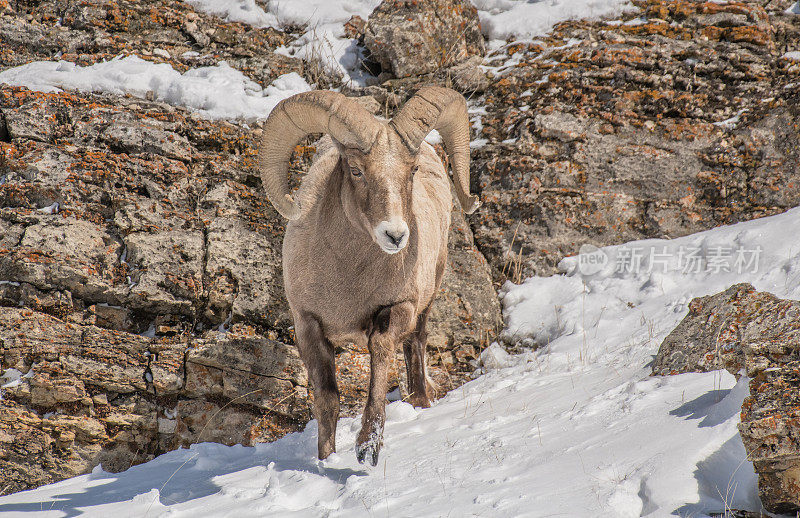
<point>366,243</point>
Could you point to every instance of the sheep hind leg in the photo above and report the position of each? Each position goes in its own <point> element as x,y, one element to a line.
<point>419,391</point>
<point>391,325</point>
<point>318,356</point>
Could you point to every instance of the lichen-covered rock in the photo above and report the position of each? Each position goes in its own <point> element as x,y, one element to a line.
<point>770,429</point>
<point>708,338</point>
<point>770,426</point>
<point>742,328</point>
<point>605,133</point>
<point>410,38</point>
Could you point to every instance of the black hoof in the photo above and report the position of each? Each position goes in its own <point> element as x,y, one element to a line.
<point>369,451</point>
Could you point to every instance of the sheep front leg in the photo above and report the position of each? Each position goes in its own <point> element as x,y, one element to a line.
<point>390,326</point>
<point>419,393</point>
<point>318,356</point>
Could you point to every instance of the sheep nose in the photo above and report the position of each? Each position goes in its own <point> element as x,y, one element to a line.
<point>396,237</point>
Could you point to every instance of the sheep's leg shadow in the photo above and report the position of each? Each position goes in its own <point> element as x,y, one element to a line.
<point>390,325</point>
<point>419,392</point>
<point>318,356</point>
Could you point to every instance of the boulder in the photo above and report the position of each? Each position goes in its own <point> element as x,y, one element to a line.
<point>708,338</point>
<point>770,426</point>
<point>742,328</point>
<point>413,37</point>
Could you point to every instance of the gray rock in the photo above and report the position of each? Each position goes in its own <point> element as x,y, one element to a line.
<point>134,138</point>
<point>57,253</point>
<point>708,338</point>
<point>255,371</point>
<point>167,269</point>
<point>466,313</point>
<point>468,77</point>
<point>246,264</point>
<point>562,126</point>
<point>409,38</point>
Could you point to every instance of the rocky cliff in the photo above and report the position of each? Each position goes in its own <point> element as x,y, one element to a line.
<point>682,118</point>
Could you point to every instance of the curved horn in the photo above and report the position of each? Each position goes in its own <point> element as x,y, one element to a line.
<point>444,110</point>
<point>292,119</point>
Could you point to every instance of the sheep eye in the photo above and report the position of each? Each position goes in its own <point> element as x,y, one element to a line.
<point>356,172</point>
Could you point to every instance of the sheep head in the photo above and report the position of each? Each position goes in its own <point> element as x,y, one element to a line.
<point>378,159</point>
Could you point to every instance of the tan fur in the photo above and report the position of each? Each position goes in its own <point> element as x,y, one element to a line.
<point>332,267</point>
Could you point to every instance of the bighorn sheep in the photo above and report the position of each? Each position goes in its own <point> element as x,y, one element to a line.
<point>366,244</point>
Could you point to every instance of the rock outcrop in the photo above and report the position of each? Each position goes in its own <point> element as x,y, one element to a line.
<point>742,328</point>
<point>76,395</point>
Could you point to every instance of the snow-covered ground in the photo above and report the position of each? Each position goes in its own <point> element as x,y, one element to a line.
<point>577,428</point>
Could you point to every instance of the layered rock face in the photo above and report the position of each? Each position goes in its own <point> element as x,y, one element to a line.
<point>141,297</point>
<point>681,118</point>
<point>742,328</point>
<point>77,395</point>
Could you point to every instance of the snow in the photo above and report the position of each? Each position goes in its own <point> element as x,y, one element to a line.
<point>244,11</point>
<point>793,9</point>
<point>215,92</point>
<point>523,20</point>
<point>433,138</point>
<point>314,13</point>
<point>731,122</point>
<point>12,378</point>
<point>576,428</point>
<point>793,55</point>
<point>323,41</point>
<point>50,209</point>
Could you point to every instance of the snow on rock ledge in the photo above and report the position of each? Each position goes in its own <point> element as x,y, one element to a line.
<point>216,92</point>
<point>509,19</point>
